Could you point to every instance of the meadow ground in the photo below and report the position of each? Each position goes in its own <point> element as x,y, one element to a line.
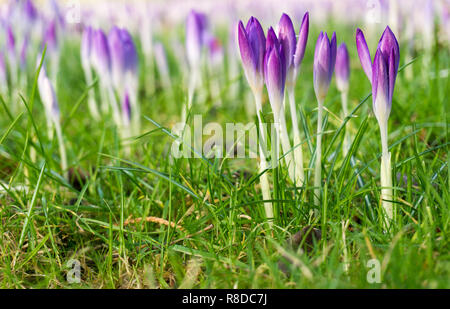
<point>112,215</point>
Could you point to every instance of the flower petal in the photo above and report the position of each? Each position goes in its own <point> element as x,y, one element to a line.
<point>363,53</point>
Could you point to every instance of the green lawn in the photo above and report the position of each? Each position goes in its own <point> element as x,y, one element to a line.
<point>113,214</point>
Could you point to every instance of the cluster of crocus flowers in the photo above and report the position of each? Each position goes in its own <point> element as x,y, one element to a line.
<point>382,73</point>
<point>324,63</point>
<point>275,62</point>
<point>252,45</point>
<point>114,59</point>
<point>294,51</point>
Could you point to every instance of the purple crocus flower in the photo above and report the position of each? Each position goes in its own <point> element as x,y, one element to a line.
<point>129,52</point>
<point>101,56</point>
<point>382,73</point>
<point>342,68</point>
<point>293,51</point>
<point>324,62</point>
<point>195,32</point>
<point>274,70</point>
<point>124,58</point>
<point>286,35</point>
<point>252,44</point>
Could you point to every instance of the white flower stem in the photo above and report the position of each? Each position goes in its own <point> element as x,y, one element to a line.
<point>318,165</point>
<point>298,152</point>
<point>92,104</point>
<point>191,92</point>
<point>286,144</point>
<point>264,178</point>
<point>114,106</point>
<point>62,148</point>
<point>346,145</point>
<point>386,176</point>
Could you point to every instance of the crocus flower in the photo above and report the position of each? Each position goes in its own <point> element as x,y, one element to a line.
<point>101,57</point>
<point>324,62</point>
<point>274,71</point>
<point>342,68</point>
<point>124,57</point>
<point>195,32</point>
<point>382,73</point>
<point>252,45</point>
<point>286,36</point>
<point>294,52</point>
<point>302,40</point>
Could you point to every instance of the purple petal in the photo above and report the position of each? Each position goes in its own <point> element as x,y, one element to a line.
<point>101,52</point>
<point>392,75</point>
<point>86,42</point>
<point>388,42</point>
<point>195,28</point>
<point>321,70</point>
<point>248,60</point>
<point>257,42</point>
<point>380,86</point>
<point>342,67</point>
<point>272,40</point>
<point>333,48</point>
<point>318,43</point>
<point>129,52</point>
<point>302,40</point>
<point>273,71</point>
<point>286,36</point>
<point>364,54</point>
